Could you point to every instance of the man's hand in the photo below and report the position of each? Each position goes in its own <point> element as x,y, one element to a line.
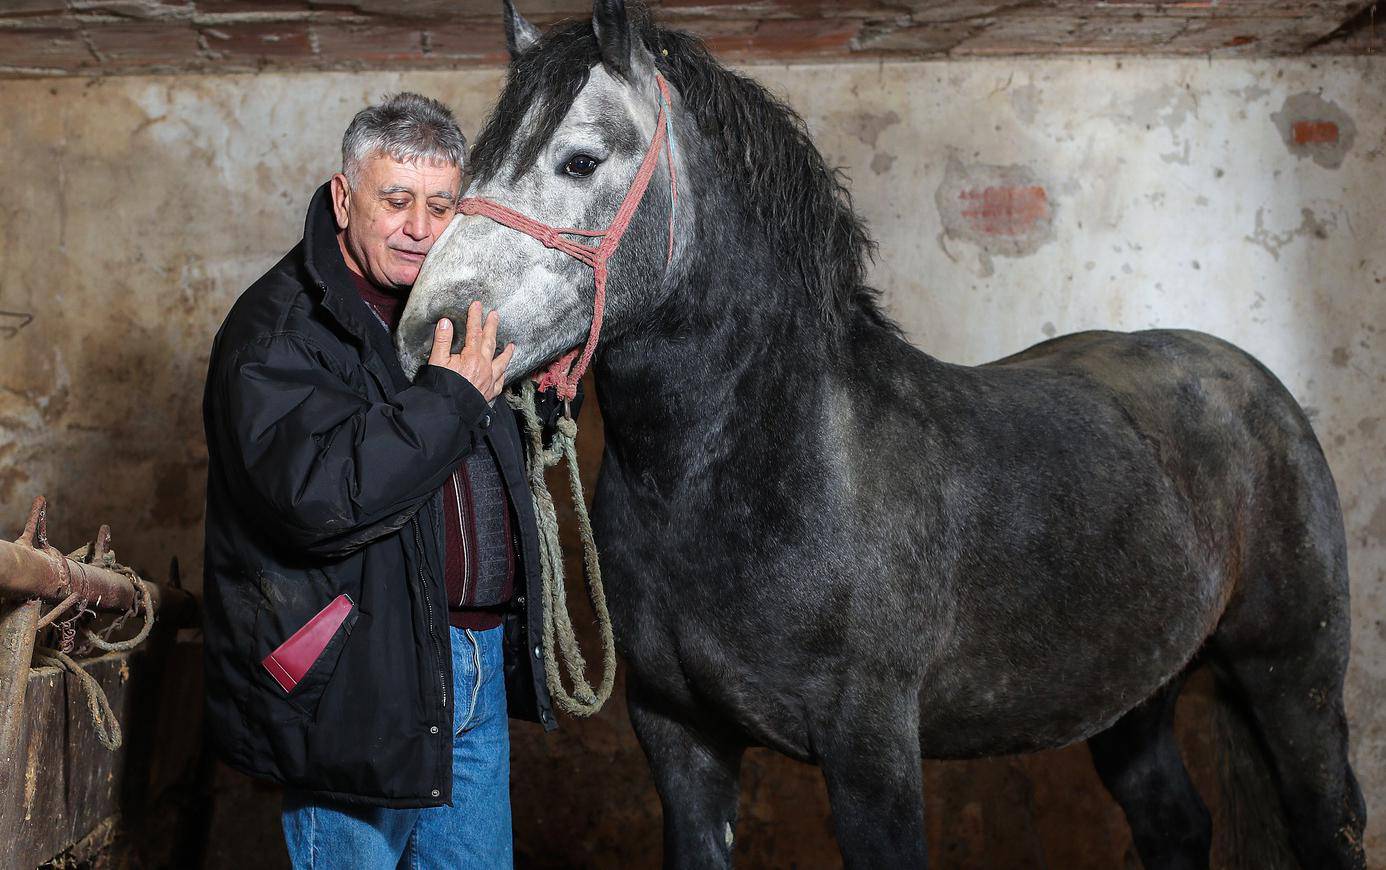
<point>477,362</point>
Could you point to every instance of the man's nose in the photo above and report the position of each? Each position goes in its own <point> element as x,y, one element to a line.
<point>418,225</point>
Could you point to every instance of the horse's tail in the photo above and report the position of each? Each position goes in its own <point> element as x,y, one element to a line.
<point>1249,831</point>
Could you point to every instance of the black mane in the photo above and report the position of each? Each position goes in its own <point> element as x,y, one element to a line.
<point>758,140</point>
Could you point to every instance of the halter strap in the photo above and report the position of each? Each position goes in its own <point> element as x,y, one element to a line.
<point>563,373</point>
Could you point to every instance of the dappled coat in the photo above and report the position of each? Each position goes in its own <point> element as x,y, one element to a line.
<point>324,472</point>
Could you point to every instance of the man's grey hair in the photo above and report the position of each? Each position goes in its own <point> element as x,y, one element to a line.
<point>404,126</point>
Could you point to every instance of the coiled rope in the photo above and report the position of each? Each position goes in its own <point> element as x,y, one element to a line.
<point>558,642</point>
<point>103,718</point>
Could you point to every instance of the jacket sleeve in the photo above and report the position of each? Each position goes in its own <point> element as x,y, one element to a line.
<point>329,470</point>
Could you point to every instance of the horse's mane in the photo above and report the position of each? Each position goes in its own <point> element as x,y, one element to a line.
<point>763,144</point>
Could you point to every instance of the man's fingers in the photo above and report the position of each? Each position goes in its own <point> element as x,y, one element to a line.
<point>500,363</point>
<point>473,326</point>
<point>488,336</point>
<point>441,350</point>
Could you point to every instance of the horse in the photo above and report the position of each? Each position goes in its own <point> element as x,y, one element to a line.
<point>817,538</point>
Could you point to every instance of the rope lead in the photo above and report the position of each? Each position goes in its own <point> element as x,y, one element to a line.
<point>558,641</point>
<point>103,718</point>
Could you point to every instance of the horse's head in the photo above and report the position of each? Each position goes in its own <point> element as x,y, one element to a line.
<point>577,116</point>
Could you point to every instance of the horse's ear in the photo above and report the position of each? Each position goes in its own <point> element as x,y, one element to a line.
<point>519,33</point>
<point>612,26</point>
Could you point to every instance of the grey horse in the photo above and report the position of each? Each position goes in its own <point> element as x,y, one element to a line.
<point>820,539</point>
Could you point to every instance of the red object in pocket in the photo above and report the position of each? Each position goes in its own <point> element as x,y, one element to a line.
<point>292,659</point>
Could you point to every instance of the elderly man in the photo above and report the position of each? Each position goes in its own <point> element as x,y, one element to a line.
<point>371,553</point>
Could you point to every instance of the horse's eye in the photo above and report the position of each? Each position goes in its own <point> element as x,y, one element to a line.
<point>581,165</point>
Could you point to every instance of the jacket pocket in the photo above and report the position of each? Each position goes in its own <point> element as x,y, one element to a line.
<point>302,665</point>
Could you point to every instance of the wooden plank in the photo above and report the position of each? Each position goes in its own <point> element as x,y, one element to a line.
<point>69,785</point>
<point>33,814</point>
<point>134,36</point>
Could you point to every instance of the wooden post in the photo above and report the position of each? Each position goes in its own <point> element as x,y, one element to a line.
<point>16,650</point>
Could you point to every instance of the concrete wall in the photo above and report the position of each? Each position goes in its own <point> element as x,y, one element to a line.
<point>1012,200</point>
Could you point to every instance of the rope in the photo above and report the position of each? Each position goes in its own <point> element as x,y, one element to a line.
<point>103,718</point>
<point>559,642</point>
<point>145,596</point>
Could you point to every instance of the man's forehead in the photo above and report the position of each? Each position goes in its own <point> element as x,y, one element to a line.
<point>420,177</point>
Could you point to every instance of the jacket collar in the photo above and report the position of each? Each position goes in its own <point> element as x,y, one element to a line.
<point>322,257</point>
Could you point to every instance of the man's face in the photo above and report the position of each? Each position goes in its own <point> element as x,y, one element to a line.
<point>388,221</point>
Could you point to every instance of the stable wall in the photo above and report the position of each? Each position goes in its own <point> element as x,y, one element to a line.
<point>1013,200</point>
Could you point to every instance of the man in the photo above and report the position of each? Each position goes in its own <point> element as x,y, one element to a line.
<point>372,568</point>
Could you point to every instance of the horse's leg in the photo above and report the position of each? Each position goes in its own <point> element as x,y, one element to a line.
<point>1282,649</point>
<point>1295,701</point>
<point>698,779</point>
<point>1138,760</point>
<point>871,762</point>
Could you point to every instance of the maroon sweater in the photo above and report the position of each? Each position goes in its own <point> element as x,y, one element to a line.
<point>479,560</point>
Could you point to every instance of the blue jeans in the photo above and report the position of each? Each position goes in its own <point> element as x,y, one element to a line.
<point>473,832</point>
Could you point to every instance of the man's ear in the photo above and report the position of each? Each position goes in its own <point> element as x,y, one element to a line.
<point>519,33</point>
<point>612,27</point>
<point>341,192</point>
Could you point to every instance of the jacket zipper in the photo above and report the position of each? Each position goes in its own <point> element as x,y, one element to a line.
<point>462,534</point>
<point>428,611</point>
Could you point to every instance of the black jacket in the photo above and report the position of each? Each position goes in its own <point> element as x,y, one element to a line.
<point>324,473</point>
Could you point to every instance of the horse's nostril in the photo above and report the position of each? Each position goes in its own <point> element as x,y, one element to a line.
<point>413,344</point>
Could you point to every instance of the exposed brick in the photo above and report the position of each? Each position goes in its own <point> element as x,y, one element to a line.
<point>26,8</point>
<point>771,10</point>
<point>1047,31</point>
<point>257,41</point>
<point>135,9</point>
<point>780,39</point>
<point>534,10</point>
<point>915,40</point>
<point>952,11</point>
<point>1315,132</point>
<point>432,11</point>
<point>136,35</point>
<point>244,7</point>
<point>353,44</point>
<point>44,48</point>
<point>713,29</point>
<point>132,47</point>
<point>1246,35</point>
<point>1315,128</point>
<point>1004,211</point>
<point>475,41</point>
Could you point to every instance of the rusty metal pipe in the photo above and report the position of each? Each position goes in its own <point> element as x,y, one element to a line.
<point>29,573</point>
<point>31,568</point>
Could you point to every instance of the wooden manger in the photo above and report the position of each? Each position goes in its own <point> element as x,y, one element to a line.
<point>119,783</point>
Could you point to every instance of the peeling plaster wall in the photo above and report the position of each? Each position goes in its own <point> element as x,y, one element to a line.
<point>1012,200</point>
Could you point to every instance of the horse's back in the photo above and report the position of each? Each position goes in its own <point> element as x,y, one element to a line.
<point>1175,371</point>
<point>1225,428</point>
<point>1102,493</point>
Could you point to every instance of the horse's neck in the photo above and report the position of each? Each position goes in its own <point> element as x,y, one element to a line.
<point>668,393</point>
<point>738,339</point>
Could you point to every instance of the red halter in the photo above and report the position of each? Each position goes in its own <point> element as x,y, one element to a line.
<point>562,373</point>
